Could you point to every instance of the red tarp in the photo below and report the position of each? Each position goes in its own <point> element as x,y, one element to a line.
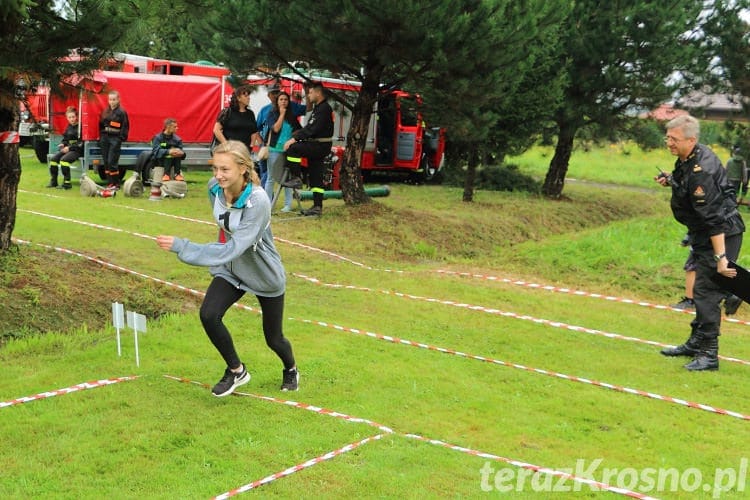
<point>194,101</point>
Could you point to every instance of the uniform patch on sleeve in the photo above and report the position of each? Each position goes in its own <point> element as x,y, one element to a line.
<point>699,195</point>
<point>697,168</point>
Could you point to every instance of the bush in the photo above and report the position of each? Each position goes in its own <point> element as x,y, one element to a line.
<point>506,177</point>
<point>712,132</point>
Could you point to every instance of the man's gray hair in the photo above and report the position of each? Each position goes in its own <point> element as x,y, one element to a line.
<point>690,126</point>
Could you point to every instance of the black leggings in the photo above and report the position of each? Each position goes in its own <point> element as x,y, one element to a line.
<point>219,298</point>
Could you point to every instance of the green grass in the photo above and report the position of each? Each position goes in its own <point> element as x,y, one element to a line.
<point>158,438</point>
<point>622,163</point>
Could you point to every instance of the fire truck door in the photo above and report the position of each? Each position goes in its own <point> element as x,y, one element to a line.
<point>408,145</point>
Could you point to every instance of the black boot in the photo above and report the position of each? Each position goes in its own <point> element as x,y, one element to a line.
<point>731,304</point>
<point>52,176</point>
<point>294,180</point>
<point>66,178</point>
<point>707,358</point>
<point>317,208</point>
<point>689,348</point>
<point>314,211</point>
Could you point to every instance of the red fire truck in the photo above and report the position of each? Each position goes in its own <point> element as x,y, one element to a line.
<point>194,93</point>
<point>34,113</point>
<point>398,140</point>
<point>194,101</point>
<point>151,90</point>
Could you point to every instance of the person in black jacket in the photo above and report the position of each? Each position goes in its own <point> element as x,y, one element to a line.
<point>313,142</point>
<point>237,121</point>
<point>703,200</point>
<point>69,151</point>
<point>167,151</point>
<point>113,131</point>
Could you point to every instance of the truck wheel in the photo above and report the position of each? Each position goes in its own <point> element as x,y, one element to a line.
<point>430,170</point>
<point>41,148</point>
<point>427,171</point>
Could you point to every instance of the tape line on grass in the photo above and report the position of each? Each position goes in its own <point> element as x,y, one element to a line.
<point>298,467</point>
<point>67,390</point>
<point>507,314</point>
<point>387,430</point>
<point>550,288</point>
<point>547,322</point>
<point>397,340</point>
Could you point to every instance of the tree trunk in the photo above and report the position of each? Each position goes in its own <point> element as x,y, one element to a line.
<point>10,176</point>
<point>558,167</point>
<point>350,174</point>
<point>471,173</point>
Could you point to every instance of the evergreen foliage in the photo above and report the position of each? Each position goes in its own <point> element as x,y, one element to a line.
<point>623,57</point>
<point>35,37</point>
<point>462,54</point>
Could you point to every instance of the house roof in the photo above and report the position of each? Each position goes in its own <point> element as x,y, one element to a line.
<point>664,113</point>
<point>715,103</point>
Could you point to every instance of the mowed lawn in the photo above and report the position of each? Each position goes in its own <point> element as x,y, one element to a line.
<point>443,353</point>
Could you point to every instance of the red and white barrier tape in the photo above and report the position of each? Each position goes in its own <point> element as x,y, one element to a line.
<point>109,265</point>
<point>556,324</point>
<point>578,293</point>
<point>541,371</point>
<point>388,430</point>
<point>10,137</point>
<point>89,224</point>
<point>295,404</point>
<point>438,349</point>
<point>507,314</point>
<point>67,390</point>
<point>298,467</point>
<point>535,468</point>
<point>550,288</point>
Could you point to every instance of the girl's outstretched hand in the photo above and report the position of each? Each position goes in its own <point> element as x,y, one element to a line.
<point>165,242</point>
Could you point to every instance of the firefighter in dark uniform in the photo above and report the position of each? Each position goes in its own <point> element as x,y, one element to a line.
<point>113,131</point>
<point>70,149</point>
<point>313,142</point>
<point>704,201</point>
<point>167,151</point>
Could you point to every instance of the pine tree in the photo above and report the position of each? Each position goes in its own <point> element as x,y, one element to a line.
<point>622,57</point>
<point>35,36</point>
<point>454,46</point>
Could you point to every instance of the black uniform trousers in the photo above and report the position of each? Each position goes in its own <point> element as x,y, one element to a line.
<point>707,294</point>
<point>64,160</point>
<point>315,152</point>
<point>111,146</point>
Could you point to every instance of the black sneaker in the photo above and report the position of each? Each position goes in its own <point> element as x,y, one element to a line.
<point>685,303</point>
<point>230,381</point>
<point>291,380</point>
<point>52,184</point>
<point>65,185</point>
<point>731,304</point>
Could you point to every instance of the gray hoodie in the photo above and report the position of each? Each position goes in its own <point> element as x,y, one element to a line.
<point>248,259</point>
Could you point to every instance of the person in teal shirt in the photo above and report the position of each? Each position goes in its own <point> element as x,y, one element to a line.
<point>282,122</point>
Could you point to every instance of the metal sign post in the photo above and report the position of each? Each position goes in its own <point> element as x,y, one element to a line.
<point>138,323</point>
<point>118,321</point>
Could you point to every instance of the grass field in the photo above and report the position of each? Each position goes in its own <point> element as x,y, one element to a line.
<point>446,350</point>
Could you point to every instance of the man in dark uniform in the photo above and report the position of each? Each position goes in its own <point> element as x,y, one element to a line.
<point>703,200</point>
<point>313,142</point>
<point>167,151</point>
